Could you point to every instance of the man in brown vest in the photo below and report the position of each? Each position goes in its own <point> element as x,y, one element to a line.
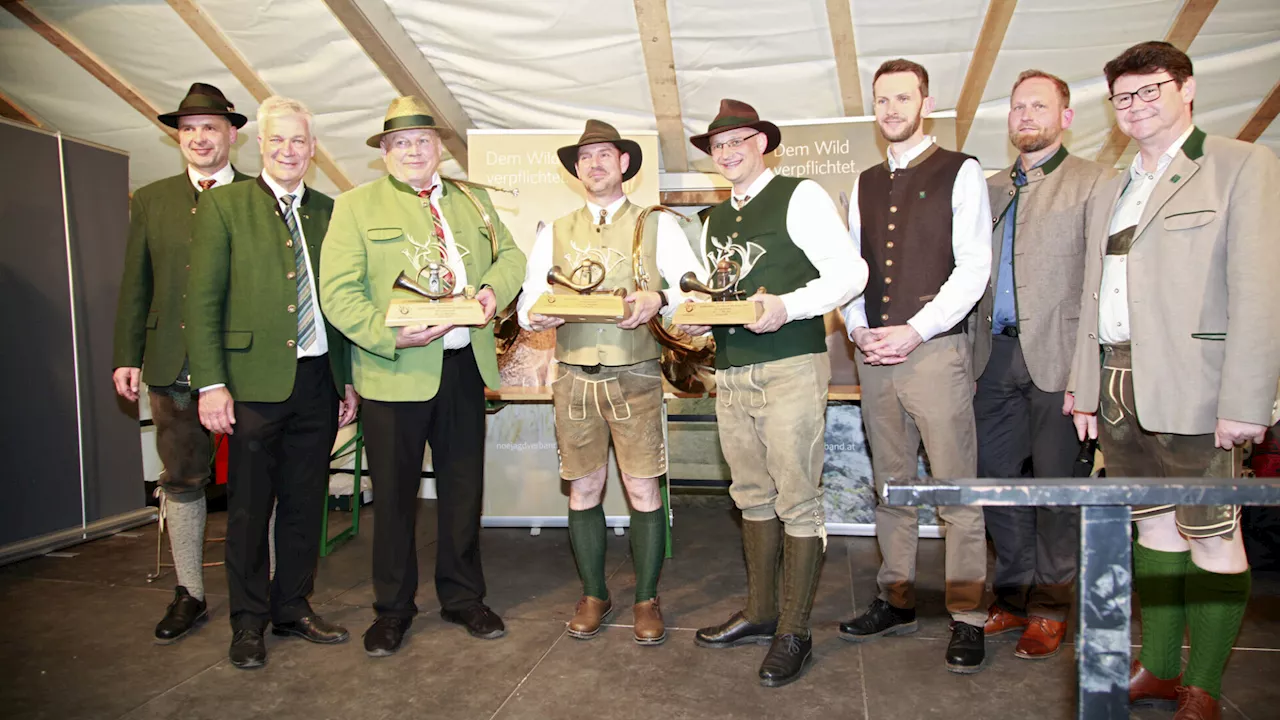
<point>608,382</point>
<point>923,223</point>
<point>1180,293</point>
<point>1025,336</point>
<point>795,259</point>
<point>148,336</point>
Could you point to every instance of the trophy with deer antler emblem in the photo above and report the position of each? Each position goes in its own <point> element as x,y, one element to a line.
<point>587,301</point>
<point>436,303</point>
<point>729,304</point>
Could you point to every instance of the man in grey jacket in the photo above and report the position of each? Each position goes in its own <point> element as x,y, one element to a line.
<point>1026,331</point>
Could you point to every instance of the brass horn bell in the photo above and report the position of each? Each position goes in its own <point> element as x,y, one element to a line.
<point>404,282</point>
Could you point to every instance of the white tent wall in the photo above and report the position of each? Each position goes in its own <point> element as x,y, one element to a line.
<point>516,64</point>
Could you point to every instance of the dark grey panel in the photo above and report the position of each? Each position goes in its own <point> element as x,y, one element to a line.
<point>97,182</point>
<point>40,485</point>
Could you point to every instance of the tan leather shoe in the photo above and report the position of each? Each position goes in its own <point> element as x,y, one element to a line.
<point>1042,638</point>
<point>1147,690</point>
<point>589,616</point>
<point>650,630</point>
<point>1001,621</point>
<point>1196,704</point>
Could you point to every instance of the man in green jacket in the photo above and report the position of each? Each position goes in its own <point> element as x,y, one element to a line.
<point>149,334</point>
<point>422,385</point>
<point>273,376</point>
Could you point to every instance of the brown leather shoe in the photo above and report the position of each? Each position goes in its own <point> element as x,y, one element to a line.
<point>1042,638</point>
<point>1001,621</point>
<point>650,630</point>
<point>1147,690</point>
<point>589,616</point>
<point>1196,704</point>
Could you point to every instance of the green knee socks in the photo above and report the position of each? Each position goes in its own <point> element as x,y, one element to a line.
<point>587,536</point>
<point>1215,607</point>
<point>1160,581</point>
<point>648,547</point>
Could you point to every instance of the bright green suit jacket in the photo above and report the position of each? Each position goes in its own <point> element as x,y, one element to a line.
<point>364,252</point>
<point>242,325</point>
<point>149,313</point>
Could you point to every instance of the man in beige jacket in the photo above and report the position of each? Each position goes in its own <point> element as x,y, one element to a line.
<point>1180,292</point>
<point>1023,343</point>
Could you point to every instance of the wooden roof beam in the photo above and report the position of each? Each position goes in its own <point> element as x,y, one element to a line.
<point>660,63</point>
<point>1186,25</point>
<point>840,20</point>
<point>372,24</point>
<point>994,27</point>
<point>203,25</point>
<point>9,108</point>
<point>1262,116</point>
<point>90,62</point>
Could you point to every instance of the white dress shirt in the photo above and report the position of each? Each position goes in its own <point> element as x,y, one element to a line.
<point>813,222</point>
<point>458,337</point>
<point>673,253</point>
<point>970,244</point>
<point>1113,298</point>
<point>225,176</point>
<point>320,345</point>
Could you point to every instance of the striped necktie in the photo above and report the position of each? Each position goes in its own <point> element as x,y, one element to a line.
<point>306,307</point>
<point>435,214</point>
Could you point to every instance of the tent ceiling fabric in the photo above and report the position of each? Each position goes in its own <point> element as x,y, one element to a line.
<point>514,64</point>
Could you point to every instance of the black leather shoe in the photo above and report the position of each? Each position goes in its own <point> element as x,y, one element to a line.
<point>184,613</point>
<point>738,630</point>
<point>313,628</point>
<point>248,649</point>
<point>385,635</point>
<point>479,620</point>
<point>788,656</point>
<point>880,620</point>
<point>967,649</point>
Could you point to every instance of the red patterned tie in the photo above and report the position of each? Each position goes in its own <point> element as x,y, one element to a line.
<point>435,214</point>
<point>206,183</point>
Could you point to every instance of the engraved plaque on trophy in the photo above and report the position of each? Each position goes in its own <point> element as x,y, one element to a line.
<point>589,302</point>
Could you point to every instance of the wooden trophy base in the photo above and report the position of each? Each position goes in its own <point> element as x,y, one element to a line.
<point>448,311</point>
<point>595,308</point>
<point>728,312</point>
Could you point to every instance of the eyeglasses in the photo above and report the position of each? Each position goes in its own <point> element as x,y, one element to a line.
<point>1148,93</point>
<point>733,144</point>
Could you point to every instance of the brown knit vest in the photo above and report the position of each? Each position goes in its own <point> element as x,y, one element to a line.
<point>906,234</point>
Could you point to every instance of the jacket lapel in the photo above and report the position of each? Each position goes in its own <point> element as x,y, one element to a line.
<point>458,212</point>
<point>1174,179</point>
<point>1108,196</point>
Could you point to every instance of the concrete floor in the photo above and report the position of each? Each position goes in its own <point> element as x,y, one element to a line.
<point>77,643</point>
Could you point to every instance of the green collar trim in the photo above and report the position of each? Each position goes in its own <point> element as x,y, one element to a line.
<point>1052,163</point>
<point>1193,148</point>
<point>406,187</point>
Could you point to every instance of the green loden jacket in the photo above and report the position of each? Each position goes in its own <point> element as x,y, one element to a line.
<point>241,327</point>
<point>149,314</point>
<point>364,252</point>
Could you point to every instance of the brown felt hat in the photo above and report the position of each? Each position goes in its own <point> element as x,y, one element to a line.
<point>736,114</point>
<point>598,131</point>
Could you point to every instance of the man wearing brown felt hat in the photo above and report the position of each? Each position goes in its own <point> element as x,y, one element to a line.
<point>619,361</point>
<point>786,235</point>
<point>149,344</point>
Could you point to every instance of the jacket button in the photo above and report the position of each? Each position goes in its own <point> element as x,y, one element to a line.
<point>193,211</point>
<point>884,318</point>
<point>290,343</point>
<point>182,325</point>
<point>1012,193</point>
<point>1095,295</point>
<point>188,267</point>
<point>888,263</point>
<point>291,275</point>
<point>893,208</point>
<point>889,244</point>
<point>884,299</point>
<point>1092,336</point>
<point>292,308</point>
<point>733,331</point>
<point>738,219</point>
<point>892,226</point>
<point>888,281</point>
<point>288,243</point>
<point>734,235</point>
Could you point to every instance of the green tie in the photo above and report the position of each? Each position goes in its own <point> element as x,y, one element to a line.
<point>306,308</point>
